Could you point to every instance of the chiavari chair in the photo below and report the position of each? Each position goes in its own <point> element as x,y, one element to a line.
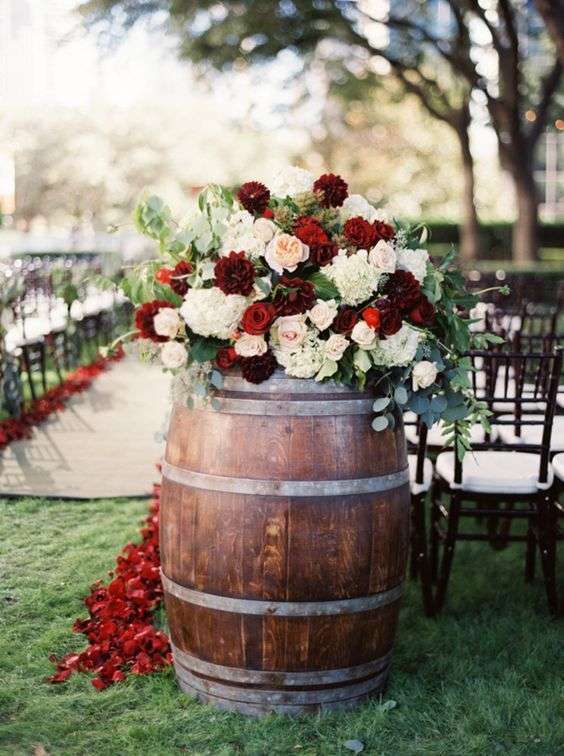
<point>517,475</point>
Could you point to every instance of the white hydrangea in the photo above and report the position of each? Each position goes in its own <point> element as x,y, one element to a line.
<point>305,360</point>
<point>397,350</point>
<point>241,235</point>
<point>290,181</point>
<point>355,278</point>
<point>210,312</point>
<point>356,206</point>
<point>413,260</point>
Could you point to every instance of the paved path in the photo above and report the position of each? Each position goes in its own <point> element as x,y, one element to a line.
<point>103,444</point>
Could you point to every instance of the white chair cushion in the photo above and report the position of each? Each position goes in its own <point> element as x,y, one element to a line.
<point>558,466</point>
<point>560,399</point>
<point>495,472</point>
<point>531,434</point>
<point>418,488</point>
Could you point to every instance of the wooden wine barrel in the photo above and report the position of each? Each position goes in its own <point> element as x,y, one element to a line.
<point>284,535</point>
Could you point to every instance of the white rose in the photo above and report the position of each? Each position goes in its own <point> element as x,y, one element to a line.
<point>356,206</point>
<point>383,256</point>
<point>364,335</point>
<point>290,181</point>
<point>423,374</point>
<point>173,354</point>
<point>264,229</point>
<point>291,331</point>
<point>167,322</point>
<point>284,252</point>
<point>335,346</point>
<point>323,313</point>
<point>250,346</point>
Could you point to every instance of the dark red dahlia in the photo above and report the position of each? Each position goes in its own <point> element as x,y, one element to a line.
<point>360,232</point>
<point>334,189</point>
<point>322,254</point>
<point>178,279</point>
<point>226,357</point>
<point>423,314</point>
<point>258,369</point>
<point>403,290</point>
<point>384,231</point>
<point>345,320</point>
<point>235,274</point>
<point>254,197</point>
<point>390,317</point>
<point>310,231</point>
<point>145,316</point>
<point>296,296</point>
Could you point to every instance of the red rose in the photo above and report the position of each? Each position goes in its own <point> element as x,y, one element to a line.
<point>360,232</point>
<point>258,369</point>
<point>423,314</point>
<point>296,296</point>
<point>235,274</point>
<point>178,280</point>
<point>403,290</point>
<point>310,231</point>
<point>383,231</point>
<point>268,213</point>
<point>371,316</point>
<point>144,319</point>
<point>258,317</point>
<point>345,320</point>
<point>226,357</point>
<point>254,197</point>
<point>163,275</point>
<point>322,254</point>
<point>390,317</point>
<point>333,188</point>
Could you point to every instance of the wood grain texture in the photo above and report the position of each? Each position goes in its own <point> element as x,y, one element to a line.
<point>284,549</point>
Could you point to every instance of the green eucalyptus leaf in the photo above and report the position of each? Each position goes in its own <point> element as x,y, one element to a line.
<point>380,423</point>
<point>381,403</point>
<point>400,395</point>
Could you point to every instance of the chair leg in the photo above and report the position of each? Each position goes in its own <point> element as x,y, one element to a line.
<point>413,538</point>
<point>547,547</point>
<point>419,545</point>
<point>448,553</point>
<point>530,554</point>
<point>434,551</point>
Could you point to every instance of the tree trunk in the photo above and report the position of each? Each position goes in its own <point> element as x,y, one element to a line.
<point>470,242</point>
<point>525,242</point>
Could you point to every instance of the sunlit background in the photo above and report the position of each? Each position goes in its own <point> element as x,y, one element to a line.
<point>87,125</point>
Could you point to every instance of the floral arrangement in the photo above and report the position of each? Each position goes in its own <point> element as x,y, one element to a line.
<point>305,277</point>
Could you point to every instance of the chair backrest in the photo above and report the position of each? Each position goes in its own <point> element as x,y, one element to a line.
<point>519,380</point>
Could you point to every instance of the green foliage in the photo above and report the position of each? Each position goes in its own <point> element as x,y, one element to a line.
<point>324,287</point>
<point>204,350</point>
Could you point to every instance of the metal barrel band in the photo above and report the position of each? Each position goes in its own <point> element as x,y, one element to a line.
<point>281,608</point>
<point>267,677</point>
<point>296,408</point>
<point>281,697</point>
<point>251,486</point>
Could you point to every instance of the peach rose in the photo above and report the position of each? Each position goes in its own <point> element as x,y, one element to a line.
<point>284,252</point>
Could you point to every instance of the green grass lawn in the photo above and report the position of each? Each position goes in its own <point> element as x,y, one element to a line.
<point>486,678</point>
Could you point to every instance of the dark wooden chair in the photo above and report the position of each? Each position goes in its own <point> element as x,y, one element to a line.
<point>501,479</point>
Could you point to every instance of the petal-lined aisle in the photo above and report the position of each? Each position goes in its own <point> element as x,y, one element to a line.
<point>104,443</point>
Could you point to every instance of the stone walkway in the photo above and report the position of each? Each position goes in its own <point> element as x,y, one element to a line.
<point>103,444</point>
